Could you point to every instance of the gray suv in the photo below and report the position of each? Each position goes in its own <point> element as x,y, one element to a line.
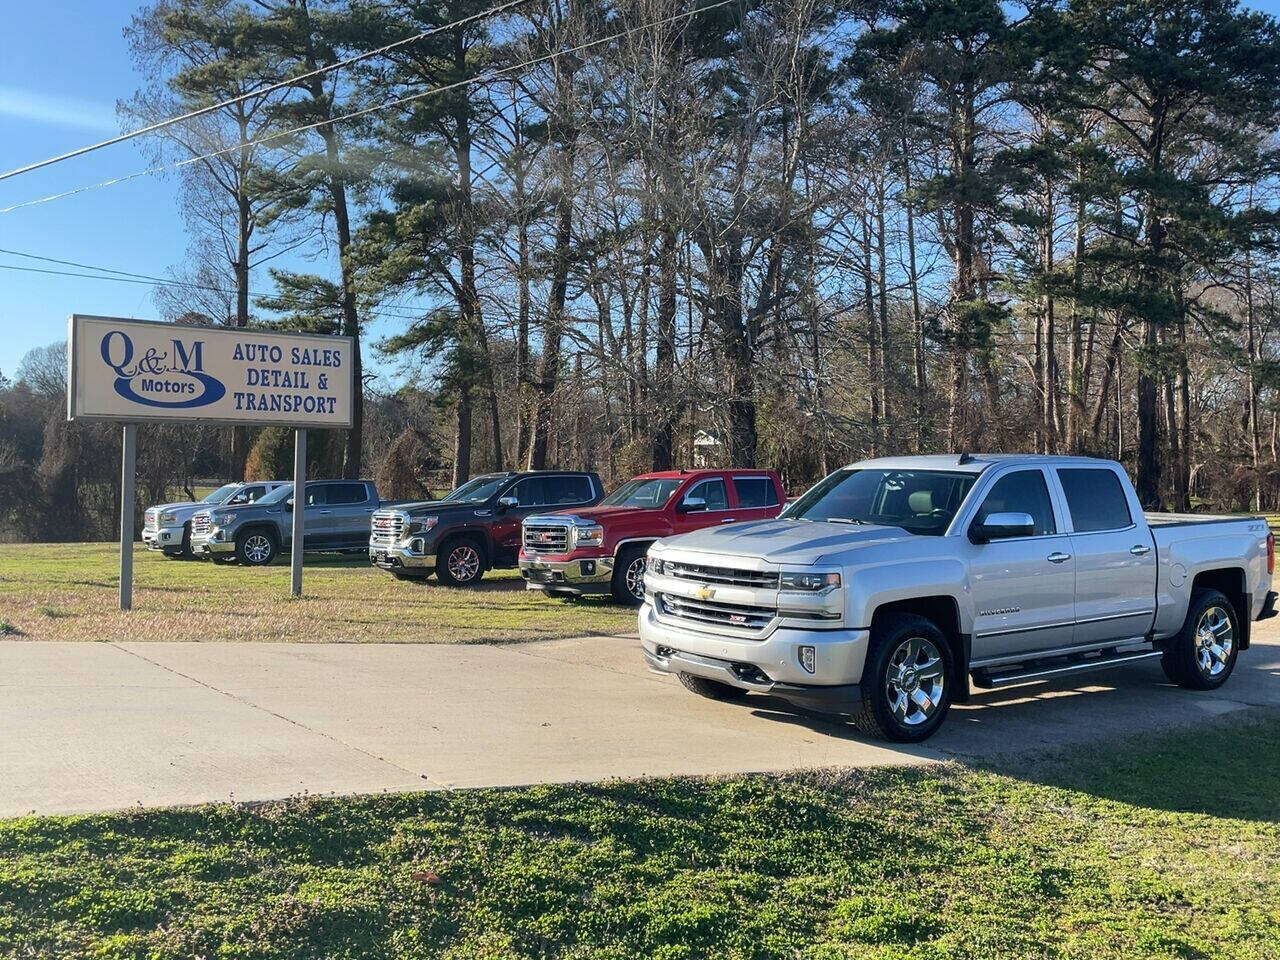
<point>337,519</point>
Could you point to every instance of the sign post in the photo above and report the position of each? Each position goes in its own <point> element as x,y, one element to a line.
<point>135,371</point>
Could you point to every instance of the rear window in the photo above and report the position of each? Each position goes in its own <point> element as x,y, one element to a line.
<point>569,489</point>
<point>1096,500</point>
<point>340,493</point>
<point>755,492</point>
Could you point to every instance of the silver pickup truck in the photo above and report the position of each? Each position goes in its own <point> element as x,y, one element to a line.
<point>893,585</point>
<point>167,527</point>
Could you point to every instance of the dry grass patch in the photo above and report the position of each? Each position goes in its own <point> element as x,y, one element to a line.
<point>69,592</point>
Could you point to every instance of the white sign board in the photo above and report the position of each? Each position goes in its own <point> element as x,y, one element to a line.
<point>137,370</point>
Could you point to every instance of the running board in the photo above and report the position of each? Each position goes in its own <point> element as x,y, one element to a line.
<point>987,680</point>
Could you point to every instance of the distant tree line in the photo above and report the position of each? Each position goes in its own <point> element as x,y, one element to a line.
<point>805,232</point>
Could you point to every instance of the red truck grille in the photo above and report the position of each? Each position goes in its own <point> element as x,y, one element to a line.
<point>546,538</point>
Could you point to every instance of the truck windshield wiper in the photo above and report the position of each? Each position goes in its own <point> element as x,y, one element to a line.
<point>846,520</point>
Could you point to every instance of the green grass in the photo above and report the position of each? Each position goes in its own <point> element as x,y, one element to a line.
<point>1165,848</point>
<point>70,592</point>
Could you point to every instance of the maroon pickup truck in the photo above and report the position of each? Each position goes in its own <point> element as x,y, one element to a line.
<point>601,549</point>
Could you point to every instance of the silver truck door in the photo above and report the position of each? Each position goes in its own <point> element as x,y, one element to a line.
<point>1023,587</point>
<point>1114,559</point>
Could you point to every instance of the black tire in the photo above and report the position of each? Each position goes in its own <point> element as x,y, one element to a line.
<point>185,553</point>
<point>460,562</point>
<point>711,689</point>
<point>1190,660</point>
<point>890,664</point>
<point>624,573</point>
<point>256,547</point>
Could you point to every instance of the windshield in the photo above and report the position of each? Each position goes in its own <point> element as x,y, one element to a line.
<point>278,494</point>
<point>643,494</point>
<point>478,489</point>
<point>919,501</point>
<point>224,492</point>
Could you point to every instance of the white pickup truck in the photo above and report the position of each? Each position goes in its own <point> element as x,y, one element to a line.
<point>894,584</point>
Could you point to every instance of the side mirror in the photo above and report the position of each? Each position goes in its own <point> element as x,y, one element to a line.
<point>288,505</point>
<point>1002,526</point>
<point>506,503</point>
<point>691,505</point>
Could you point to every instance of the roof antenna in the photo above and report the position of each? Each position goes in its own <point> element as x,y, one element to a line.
<point>965,458</point>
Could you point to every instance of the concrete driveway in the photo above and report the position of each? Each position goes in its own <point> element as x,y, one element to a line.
<point>97,726</point>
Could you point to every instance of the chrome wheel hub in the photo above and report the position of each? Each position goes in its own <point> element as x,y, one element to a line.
<point>257,548</point>
<point>915,681</point>
<point>635,578</point>
<point>464,562</point>
<point>1215,640</point>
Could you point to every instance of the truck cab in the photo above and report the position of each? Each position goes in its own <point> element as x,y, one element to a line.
<point>601,549</point>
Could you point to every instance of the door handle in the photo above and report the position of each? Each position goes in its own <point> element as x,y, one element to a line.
<point>1059,557</point>
<point>729,520</point>
<point>1139,549</point>
<point>325,513</point>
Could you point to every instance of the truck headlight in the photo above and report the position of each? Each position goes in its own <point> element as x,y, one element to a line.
<point>805,582</point>
<point>169,516</point>
<point>423,525</point>
<point>591,536</point>
<point>655,564</point>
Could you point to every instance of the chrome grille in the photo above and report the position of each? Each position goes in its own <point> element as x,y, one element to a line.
<point>546,537</point>
<point>716,613</point>
<point>152,519</point>
<point>727,576</point>
<point>387,526</point>
<point>201,524</point>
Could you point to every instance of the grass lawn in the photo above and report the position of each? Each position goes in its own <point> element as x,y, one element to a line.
<point>69,592</point>
<point>1163,848</point>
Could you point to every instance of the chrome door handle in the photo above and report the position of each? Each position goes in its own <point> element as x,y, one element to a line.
<point>1139,550</point>
<point>1059,557</point>
<point>730,520</point>
<point>325,513</point>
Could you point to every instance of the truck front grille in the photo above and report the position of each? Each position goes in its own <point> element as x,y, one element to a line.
<point>715,613</point>
<point>387,527</point>
<point>726,576</point>
<point>201,523</point>
<point>151,520</point>
<point>546,537</point>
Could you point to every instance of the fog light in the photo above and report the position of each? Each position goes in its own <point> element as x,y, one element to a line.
<point>809,659</point>
<point>588,568</point>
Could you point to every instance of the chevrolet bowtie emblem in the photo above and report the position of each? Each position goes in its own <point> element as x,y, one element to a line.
<point>706,593</point>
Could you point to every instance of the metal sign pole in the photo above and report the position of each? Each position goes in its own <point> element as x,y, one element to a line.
<point>128,479</point>
<point>299,506</point>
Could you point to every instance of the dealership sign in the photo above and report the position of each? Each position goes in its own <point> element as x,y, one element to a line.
<point>136,370</point>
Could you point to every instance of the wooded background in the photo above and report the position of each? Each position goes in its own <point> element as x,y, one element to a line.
<point>805,232</point>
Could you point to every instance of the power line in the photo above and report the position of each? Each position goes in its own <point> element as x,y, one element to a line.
<point>262,92</point>
<point>123,273</point>
<point>491,75</point>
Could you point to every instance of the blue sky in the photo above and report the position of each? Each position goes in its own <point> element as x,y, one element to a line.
<point>63,65</point>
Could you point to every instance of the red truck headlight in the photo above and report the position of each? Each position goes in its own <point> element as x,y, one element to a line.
<point>592,536</point>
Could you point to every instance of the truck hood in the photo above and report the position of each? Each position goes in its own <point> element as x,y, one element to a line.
<point>182,505</point>
<point>418,508</point>
<point>785,541</point>
<point>602,515</point>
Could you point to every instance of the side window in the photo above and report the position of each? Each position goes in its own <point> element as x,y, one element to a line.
<point>713,492</point>
<point>249,494</point>
<point>1021,492</point>
<point>530,492</point>
<point>1096,500</point>
<point>755,492</point>
<point>346,493</point>
<point>568,489</point>
<point>317,496</point>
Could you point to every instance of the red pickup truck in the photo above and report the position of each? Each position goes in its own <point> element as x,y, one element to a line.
<point>602,549</point>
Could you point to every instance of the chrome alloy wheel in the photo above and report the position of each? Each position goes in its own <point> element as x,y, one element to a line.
<point>635,577</point>
<point>464,562</point>
<point>1215,639</point>
<point>915,680</point>
<point>257,548</point>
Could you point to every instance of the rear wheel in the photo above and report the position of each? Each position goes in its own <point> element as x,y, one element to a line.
<point>459,563</point>
<point>1203,653</point>
<point>906,681</point>
<point>256,548</point>
<point>627,585</point>
<point>711,689</point>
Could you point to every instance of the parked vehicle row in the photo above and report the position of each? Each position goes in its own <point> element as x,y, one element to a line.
<point>167,528</point>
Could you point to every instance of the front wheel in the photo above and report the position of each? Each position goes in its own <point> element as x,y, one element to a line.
<point>256,548</point>
<point>627,585</point>
<point>1203,653</point>
<point>711,689</point>
<point>459,563</point>
<point>906,681</point>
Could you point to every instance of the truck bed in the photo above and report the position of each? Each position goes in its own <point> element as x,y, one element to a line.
<point>1166,520</point>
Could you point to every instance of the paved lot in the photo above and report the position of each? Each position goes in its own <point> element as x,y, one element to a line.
<point>95,726</point>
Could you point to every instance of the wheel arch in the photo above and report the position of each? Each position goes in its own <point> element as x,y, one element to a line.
<point>645,542</point>
<point>944,612</point>
<point>476,534</point>
<point>1229,581</point>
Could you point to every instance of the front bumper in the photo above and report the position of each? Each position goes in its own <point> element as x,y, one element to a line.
<point>413,554</point>
<point>163,538</point>
<point>769,665</point>
<point>210,544</point>
<point>582,575</point>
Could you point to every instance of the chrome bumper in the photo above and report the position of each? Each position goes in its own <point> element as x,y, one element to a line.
<point>163,538</point>
<point>838,654</point>
<point>396,556</point>
<point>208,545</point>
<point>587,575</point>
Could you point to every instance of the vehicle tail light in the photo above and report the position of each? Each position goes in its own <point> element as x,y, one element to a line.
<point>1271,553</point>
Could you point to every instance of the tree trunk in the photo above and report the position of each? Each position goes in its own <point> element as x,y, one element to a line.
<point>664,356</point>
